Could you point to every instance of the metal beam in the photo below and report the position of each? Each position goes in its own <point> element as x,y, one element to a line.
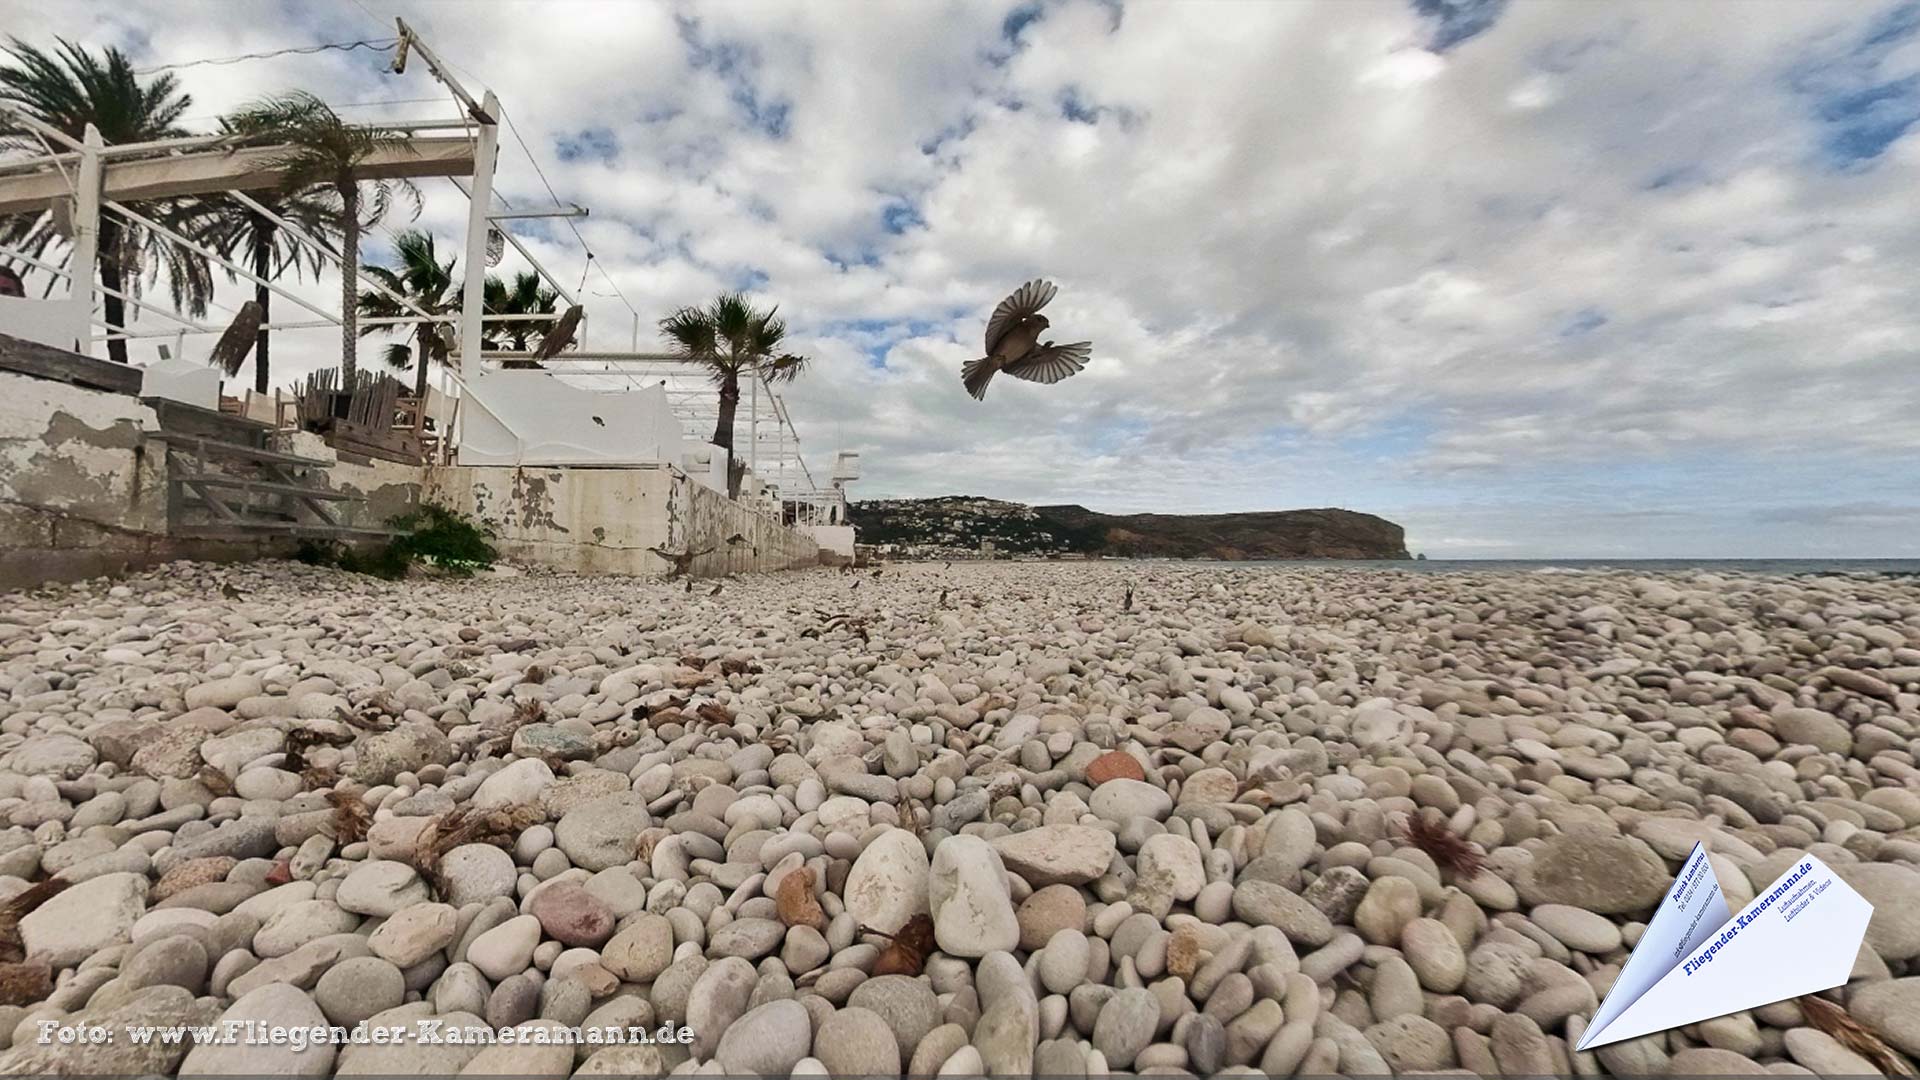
<point>216,256</point>
<point>547,275</point>
<point>327,249</point>
<point>86,221</point>
<point>250,168</point>
<point>554,212</point>
<point>480,199</point>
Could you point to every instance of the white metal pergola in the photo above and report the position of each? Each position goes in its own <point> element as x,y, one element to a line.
<point>88,179</point>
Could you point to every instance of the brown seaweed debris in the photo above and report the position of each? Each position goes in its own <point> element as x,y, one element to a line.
<point>1850,1033</point>
<point>907,951</point>
<point>351,817</point>
<point>530,711</point>
<point>498,826</point>
<point>17,907</point>
<point>1449,850</point>
<point>26,982</point>
<point>215,781</point>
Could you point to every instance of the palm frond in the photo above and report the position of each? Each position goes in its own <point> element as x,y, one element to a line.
<point>784,368</point>
<point>397,356</point>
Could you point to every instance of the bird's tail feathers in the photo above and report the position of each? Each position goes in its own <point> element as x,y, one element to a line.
<point>976,374</point>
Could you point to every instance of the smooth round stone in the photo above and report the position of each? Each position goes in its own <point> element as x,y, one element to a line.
<point>972,910</point>
<point>1122,800</point>
<point>381,887</point>
<point>907,1005</point>
<point>353,990</point>
<point>600,834</point>
<point>1263,903</point>
<point>415,934</point>
<point>889,881</point>
<point>857,1042</point>
<point>476,873</point>
<point>768,1040</point>
<point>571,915</point>
<point>1048,911</point>
<point>1126,1026</point>
<point>1435,955</point>
<point>1063,963</point>
<point>506,949</point>
<point>1580,930</point>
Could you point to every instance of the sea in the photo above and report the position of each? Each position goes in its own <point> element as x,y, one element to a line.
<point>1886,567</point>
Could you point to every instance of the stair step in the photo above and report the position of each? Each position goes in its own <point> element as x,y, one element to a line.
<point>220,480</point>
<point>316,530</point>
<point>186,443</point>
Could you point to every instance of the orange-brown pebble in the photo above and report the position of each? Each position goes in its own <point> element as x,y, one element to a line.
<point>1114,765</point>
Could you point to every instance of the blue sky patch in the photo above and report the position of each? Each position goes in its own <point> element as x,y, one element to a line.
<point>595,143</point>
<point>1456,21</point>
<point>1860,107</point>
<point>1583,322</point>
<point>898,217</point>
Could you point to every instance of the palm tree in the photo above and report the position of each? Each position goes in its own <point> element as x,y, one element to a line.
<point>423,279</point>
<point>525,296</point>
<point>324,149</point>
<point>238,231</point>
<point>69,89</point>
<point>732,339</point>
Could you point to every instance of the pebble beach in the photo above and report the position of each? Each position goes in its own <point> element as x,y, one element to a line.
<point>1019,819</point>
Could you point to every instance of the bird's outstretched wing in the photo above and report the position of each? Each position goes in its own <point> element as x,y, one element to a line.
<point>1053,363</point>
<point>1025,300</point>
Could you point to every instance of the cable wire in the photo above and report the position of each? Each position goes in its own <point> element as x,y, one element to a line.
<point>377,45</point>
<point>592,259</point>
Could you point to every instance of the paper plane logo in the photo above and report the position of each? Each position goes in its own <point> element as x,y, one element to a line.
<point>1697,960</point>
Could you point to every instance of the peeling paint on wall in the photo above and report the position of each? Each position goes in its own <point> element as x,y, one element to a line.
<point>533,503</point>
<point>607,520</point>
<point>76,452</point>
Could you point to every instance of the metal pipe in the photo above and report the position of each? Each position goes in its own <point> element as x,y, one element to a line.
<point>538,267</point>
<point>297,231</point>
<point>486,150</point>
<point>216,256</point>
<point>86,222</point>
<point>556,212</point>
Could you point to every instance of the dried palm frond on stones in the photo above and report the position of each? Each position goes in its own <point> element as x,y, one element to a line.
<point>498,826</point>
<point>530,711</point>
<point>17,907</point>
<point>25,982</point>
<point>907,951</point>
<point>1826,1016</point>
<point>1449,850</point>
<point>351,817</point>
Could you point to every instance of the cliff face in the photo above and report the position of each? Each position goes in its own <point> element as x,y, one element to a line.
<point>959,525</point>
<point>1278,534</point>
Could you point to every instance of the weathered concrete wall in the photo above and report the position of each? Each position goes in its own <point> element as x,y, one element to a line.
<point>605,521</point>
<point>389,487</point>
<point>80,495</point>
<point>742,539</point>
<point>838,539</point>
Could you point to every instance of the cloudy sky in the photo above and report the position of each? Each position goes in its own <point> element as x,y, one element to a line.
<point>1533,279</point>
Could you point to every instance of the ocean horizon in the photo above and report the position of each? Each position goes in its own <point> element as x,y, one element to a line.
<point>1743,566</point>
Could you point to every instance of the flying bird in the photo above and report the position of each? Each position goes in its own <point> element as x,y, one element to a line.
<point>1014,345</point>
<point>682,561</point>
